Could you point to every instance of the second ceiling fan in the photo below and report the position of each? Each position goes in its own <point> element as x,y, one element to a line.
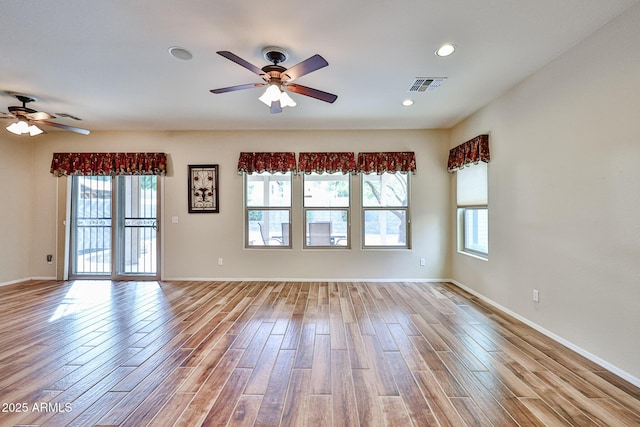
<point>279,79</point>
<point>27,118</point>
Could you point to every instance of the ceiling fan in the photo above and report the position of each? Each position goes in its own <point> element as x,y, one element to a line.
<point>278,79</point>
<point>27,119</point>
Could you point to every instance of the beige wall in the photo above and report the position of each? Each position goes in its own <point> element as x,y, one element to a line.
<point>564,197</point>
<point>193,245</point>
<point>18,189</point>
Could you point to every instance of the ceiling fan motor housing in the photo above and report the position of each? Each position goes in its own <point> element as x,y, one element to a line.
<point>274,72</point>
<point>21,111</point>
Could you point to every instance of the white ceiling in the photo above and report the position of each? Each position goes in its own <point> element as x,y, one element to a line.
<point>107,62</point>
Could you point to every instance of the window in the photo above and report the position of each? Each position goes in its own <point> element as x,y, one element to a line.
<point>473,211</point>
<point>326,210</point>
<point>268,209</point>
<point>385,210</point>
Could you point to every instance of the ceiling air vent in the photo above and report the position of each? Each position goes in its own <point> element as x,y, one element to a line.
<point>426,84</point>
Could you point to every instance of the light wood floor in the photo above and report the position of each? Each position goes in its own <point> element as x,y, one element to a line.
<point>297,354</point>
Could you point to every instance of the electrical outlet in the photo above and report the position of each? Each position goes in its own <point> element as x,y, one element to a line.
<point>536,295</point>
<point>423,262</point>
<point>49,259</point>
<point>220,261</point>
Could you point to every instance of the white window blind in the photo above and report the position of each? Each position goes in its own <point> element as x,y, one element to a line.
<point>472,185</point>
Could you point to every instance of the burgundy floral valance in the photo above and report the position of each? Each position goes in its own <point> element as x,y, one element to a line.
<point>327,162</point>
<point>109,164</point>
<point>473,151</point>
<point>266,162</point>
<point>379,163</point>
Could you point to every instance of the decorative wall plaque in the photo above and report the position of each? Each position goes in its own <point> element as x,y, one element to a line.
<point>203,189</point>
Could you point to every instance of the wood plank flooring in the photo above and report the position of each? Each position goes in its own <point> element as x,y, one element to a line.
<point>105,353</point>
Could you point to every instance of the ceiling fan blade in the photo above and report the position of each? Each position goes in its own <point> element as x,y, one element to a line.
<point>305,67</point>
<point>313,93</point>
<point>69,116</point>
<point>276,107</point>
<point>39,115</point>
<point>235,58</point>
<point>238,87</point>
<point>61,126</point>
<point>7,116</point>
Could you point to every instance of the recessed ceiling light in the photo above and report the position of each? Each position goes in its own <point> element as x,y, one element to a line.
<point>446,49</point>
<point>180,53</point>
<point>407,102</point>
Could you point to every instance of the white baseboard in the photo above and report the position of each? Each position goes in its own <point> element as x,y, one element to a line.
<point>26,279</point>
<point>13,282</point>
<point>595,359</point>
<point>264,279</point>
<point>294,279</point>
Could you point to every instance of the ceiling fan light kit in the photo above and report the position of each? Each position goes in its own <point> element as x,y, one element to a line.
<point>278,79</point>
<point>275,94</point>
<point>22,127</point>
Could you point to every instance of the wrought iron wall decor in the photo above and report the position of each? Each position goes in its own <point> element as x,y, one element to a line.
<point>203,189</point>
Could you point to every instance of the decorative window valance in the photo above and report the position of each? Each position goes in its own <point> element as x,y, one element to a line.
<point>327,162</point>
<point>379,163</point>
<point>472,151</point>
<point>109,164</point>
<point>266,162</point>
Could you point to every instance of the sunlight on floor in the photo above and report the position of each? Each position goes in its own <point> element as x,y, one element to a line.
<point>89,294</point>
<point>83,295</point>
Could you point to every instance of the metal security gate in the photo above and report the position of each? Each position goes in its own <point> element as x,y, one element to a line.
<point>114,229</point>
<point>137,226</point>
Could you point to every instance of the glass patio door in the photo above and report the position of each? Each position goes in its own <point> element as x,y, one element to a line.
<point>114,229</point>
